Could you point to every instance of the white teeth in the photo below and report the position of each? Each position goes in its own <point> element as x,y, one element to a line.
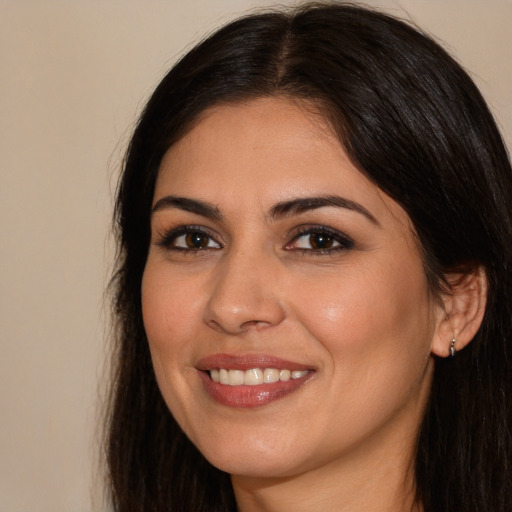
<point>270,375</point>
<point>236,377</point>
<point>223,376</point>
<point>284,375</point>
<point>254,376</point>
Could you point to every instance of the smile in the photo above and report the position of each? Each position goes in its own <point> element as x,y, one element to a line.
<point>254,376</point>
<point>251,380</point>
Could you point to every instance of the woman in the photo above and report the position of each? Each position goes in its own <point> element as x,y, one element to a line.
<point>313,291</point>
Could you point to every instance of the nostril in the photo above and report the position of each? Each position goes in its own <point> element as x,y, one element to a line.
<point>239,328</point>
<point>254,324</point>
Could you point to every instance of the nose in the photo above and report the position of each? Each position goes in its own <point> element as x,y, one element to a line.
<point>245,295</point>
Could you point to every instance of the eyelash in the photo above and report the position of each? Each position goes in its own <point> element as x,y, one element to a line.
<point>169,238</point>
<point>333,236</point>
<point>345,243</point>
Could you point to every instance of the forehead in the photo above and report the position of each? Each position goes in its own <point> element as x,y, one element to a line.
<point>261,152</point>
<point>256,128</point>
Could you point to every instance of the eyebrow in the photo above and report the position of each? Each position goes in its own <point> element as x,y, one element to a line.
<point>281,209</point>
<point>189,205</point>
<point>304,204</point>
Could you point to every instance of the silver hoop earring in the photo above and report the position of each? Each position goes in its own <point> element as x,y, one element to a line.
<point>453,351</point>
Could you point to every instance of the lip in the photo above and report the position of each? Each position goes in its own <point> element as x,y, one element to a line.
<point>247,362</point>
<point>249,396</point>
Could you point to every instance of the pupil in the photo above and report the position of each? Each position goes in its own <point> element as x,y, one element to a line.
<point>196,240</point>
<point>321,241</point>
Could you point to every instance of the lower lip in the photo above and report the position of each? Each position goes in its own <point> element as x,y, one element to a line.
<point>250,396</point>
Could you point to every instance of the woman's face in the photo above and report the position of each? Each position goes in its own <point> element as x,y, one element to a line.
<point>287,311</point>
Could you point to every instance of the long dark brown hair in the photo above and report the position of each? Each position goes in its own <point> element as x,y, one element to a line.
<point>415,124</point>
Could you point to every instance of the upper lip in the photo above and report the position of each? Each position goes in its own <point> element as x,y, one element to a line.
<point>247,362</point>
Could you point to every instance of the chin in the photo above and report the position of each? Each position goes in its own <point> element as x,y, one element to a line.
<point>273,468</point>
<point>263,458</point>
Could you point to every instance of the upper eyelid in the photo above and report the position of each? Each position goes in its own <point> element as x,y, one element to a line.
<point>317,228</point>
<point>165,237</point>
<point>343,239</point>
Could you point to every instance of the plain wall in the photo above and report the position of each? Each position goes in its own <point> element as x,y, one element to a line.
<point>73,76</point>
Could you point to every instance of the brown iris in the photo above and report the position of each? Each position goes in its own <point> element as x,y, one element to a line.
<point>321,241</point>
<point>196,240</point>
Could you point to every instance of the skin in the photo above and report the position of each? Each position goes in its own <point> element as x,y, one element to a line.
<point>361,317</point>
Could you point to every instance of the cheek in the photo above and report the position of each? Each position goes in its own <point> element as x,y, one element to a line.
<point>375,332</point>
<point>365,316</point>
<point>169,307</point>
<point>169,311</point>
<point>158,306</point>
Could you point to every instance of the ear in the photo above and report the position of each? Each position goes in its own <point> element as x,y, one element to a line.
<point>461,311</point>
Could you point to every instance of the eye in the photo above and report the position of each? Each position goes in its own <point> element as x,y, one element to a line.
<point>189,238</point>
<point>317,241</point>
<point>320,240</point>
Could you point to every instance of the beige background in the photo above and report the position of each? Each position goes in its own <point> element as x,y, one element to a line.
<point>74,75</point>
